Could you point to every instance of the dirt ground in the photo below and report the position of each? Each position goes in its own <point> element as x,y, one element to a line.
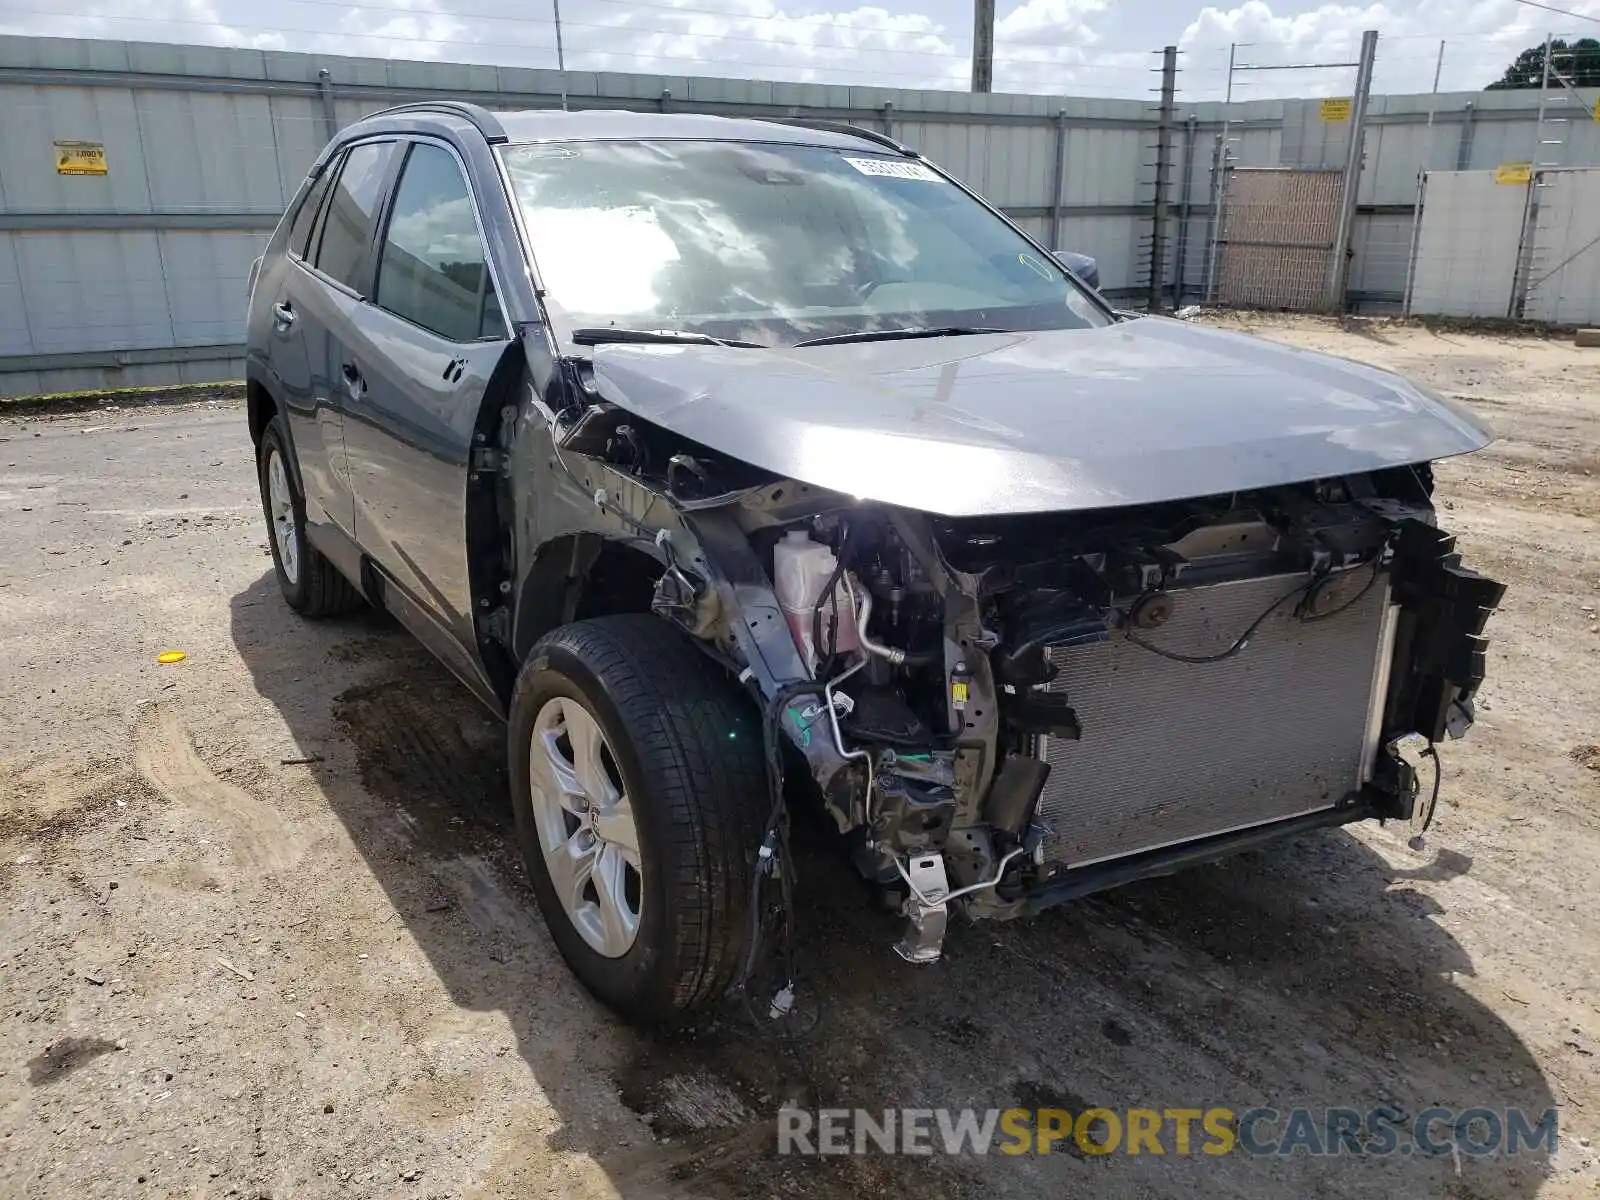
<point>264,935</point>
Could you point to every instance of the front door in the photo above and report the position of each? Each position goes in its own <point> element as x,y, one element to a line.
<point>423,349</point>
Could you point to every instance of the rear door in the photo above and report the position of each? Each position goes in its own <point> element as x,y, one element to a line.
<point>336,274</point>
<point>297,381</point>
<point>425,349</point>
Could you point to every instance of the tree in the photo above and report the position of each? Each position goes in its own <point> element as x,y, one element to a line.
<point>1579,63</point>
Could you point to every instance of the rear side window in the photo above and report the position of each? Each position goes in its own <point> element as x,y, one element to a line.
<point>432,268</point>
<point>306,218</point>
<point>347,227</point>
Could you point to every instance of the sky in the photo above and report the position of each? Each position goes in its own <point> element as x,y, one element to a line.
<point>1056,47</point>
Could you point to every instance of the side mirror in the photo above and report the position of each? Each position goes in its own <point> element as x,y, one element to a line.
<point>1081,265</point>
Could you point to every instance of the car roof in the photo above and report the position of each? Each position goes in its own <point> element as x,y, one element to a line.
<point>538,125</point>
<point>615,124</point>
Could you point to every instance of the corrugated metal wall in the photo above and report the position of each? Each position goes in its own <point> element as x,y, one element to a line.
<point>1469,131</point>
<point>1493,245</point>
<point>137,277</point>
<point>1467,245</point>
<point>1563,283</point>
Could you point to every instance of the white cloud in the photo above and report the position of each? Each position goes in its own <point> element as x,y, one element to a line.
<point>193,21</point>
<point>421,28</point>
<point>755,38</point>
<point>1481,38</point>
<point>1055,46</point>
<point>1080,47</point>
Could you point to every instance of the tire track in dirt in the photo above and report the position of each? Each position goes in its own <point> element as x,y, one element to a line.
<point>45,799</point>
<point>165,758</point>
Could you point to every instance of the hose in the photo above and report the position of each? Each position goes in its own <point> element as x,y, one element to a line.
<point>824,663</point>
<point>838,737</point>
<point>863,606</point>
<point>959,892</point>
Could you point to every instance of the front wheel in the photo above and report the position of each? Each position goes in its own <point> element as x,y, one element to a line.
<point>638,785</point>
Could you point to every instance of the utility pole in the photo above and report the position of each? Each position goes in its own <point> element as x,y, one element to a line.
<point>561,54</point>
<point>1339,263</point>
<point>983,45</point>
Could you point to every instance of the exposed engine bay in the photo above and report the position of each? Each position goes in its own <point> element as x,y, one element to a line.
<point>1002,713</point>
<point>1034,700</point>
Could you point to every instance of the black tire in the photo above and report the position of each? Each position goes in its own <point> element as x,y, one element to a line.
<point>317,590</point>
<point>687,746</point>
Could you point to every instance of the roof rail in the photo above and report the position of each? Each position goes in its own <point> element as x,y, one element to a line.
<point>871,135</point>
<point>485,121</point>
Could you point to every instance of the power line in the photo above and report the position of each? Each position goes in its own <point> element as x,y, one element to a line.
<point>798,23</point>
<point>1005,54</point>
<point>503,43</point>
<point>1072,71</point>
<point>495,41</point>
<point>1565,12</point>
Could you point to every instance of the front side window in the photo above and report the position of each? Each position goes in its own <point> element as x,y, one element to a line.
<point>431,268</point>
<point>347,225</point>
<point>775,244</point>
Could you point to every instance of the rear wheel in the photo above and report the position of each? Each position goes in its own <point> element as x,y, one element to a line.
<point>309,582</point>
<point>637,780</point>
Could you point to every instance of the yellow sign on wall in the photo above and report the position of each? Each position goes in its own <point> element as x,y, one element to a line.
<point>80,158</point>
<point>1336,109</point>
<point>1513,173</point>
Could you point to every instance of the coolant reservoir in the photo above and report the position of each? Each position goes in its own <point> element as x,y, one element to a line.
<point>801,568</point>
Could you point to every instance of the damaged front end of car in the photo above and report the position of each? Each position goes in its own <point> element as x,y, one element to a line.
<point>1005,712</point>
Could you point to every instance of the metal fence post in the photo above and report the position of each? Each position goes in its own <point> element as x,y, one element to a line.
<point>1058,183</point>
<point>1339,266</point>
<point>1464,146</point>
<point>1158,214</point>
<point>330,119</point>
<point>1216,192</point>
<point>1219,166</point>
<point>1422,175</point>
<point>1191,139</point>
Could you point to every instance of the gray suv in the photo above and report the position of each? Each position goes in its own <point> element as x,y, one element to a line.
<point>712,452</point>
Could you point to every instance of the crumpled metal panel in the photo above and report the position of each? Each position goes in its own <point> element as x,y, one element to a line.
<point>1172,752</point>
<point>1052,421</point>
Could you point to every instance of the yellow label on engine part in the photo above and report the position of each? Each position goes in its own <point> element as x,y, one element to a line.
<point>80,158</point>
<point>958,692</point>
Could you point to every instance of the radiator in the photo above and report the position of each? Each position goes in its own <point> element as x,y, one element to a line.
<point>1173,751</point>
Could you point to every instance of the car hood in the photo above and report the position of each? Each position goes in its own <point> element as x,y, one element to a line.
<point>1132,413</point>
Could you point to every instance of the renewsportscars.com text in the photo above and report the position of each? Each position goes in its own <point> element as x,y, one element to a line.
<point>1256,1131</point>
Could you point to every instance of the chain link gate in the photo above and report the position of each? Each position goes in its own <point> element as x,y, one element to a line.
<point>1276,240</point>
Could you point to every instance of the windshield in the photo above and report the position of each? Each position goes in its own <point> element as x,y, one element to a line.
<point>775,244</point>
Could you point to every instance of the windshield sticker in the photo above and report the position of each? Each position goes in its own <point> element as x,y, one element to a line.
<point>545,150</point>
<point>1037,267</point>
<point>892,168</point>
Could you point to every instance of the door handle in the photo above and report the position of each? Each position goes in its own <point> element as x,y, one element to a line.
<point>283,314</point>
<point>354,384</point>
